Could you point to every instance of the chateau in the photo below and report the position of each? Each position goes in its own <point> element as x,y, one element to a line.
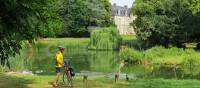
<point>123,18</point>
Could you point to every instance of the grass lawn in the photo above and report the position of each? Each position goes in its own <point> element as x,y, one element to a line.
<point>76,40</point>
<point>28,81</point>
<point>64,40</point>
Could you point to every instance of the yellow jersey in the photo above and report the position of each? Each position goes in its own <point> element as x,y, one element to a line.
<point>59,59</point>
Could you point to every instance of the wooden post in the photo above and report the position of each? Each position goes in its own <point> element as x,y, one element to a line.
<point>116,77</point>
<point>85,81</point>
<point>127,78</point>
<point>174,68</point>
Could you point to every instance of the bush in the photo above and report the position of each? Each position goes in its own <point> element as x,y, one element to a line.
<point>105,39</point>
<point>131,55</point>
<point>191,60</point>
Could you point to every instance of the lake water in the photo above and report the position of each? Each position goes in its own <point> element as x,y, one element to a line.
<point>106,62</point>
<point>81,60</point>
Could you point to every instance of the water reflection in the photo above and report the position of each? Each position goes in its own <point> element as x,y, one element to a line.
<point>164,71</point>
<point>82,60</point>
<point>107,62</point>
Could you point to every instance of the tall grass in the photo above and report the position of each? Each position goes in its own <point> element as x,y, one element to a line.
<point>20,61</point>
<point>161,55</point>
<point>131,54</point>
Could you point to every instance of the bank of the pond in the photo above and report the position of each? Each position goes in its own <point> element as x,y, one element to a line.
<point>28,81</point>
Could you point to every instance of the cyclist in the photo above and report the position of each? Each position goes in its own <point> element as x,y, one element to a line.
<point>59,64</point>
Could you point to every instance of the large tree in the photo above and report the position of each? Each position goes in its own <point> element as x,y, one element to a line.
<point>24,20</point>
<point>79,15</point>
<point>166,21</point>
<point>195,21</point>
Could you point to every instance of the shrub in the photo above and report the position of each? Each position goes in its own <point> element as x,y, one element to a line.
<point>191,60</point>
<point>105,39</point>
<point>131,54</point>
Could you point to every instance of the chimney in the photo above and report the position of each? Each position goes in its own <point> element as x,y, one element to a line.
<point>126,6</point>
<point>115,4</point>
<point>126,10</point>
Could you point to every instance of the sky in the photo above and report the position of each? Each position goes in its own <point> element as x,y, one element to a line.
<point>122,2</point>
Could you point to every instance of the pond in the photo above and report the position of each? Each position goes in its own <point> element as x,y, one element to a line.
<point>81,59</point>
<point>107,62</point>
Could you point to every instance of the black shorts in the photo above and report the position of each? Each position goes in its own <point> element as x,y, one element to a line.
<point>58,69</point>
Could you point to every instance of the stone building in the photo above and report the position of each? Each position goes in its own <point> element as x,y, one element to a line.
<point>123,18</point>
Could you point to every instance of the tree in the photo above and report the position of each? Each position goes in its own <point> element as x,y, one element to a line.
<point>106,38</point>
<point>195,20</point>
<point>51,21</point>
<point>195,6</point>
<point>22,20</point>
<point>108,21</point>
<point>162,21</point>
<point>79,15</point>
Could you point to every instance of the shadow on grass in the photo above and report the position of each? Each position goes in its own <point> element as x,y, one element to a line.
<point>165,83</point>
<point>13,82</point>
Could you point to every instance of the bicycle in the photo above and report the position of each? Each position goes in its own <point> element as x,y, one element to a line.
<point>67,77</point>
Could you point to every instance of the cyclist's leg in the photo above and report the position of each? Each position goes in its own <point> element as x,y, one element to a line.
<point>58,72</point>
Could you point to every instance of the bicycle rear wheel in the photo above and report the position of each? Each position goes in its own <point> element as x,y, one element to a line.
<point>67,81</point>
<point>64,78</point>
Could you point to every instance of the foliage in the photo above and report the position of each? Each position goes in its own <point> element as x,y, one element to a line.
<point>195,6</point>
<point>24,20</point>
<point>105,39</point>
<point>51,21</point>
<point>166,22</point>
<point>80,15</point>
<point>191,60</point>
<point>194,21</point>
<point>130,54</point>
<point>20,61</point>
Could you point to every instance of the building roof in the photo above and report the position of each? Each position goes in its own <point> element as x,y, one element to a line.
<point>120,11</point>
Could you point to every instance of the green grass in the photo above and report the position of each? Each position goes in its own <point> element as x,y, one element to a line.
<point>28,81</point>
<point>163,83</point>
<point>63,40</point>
